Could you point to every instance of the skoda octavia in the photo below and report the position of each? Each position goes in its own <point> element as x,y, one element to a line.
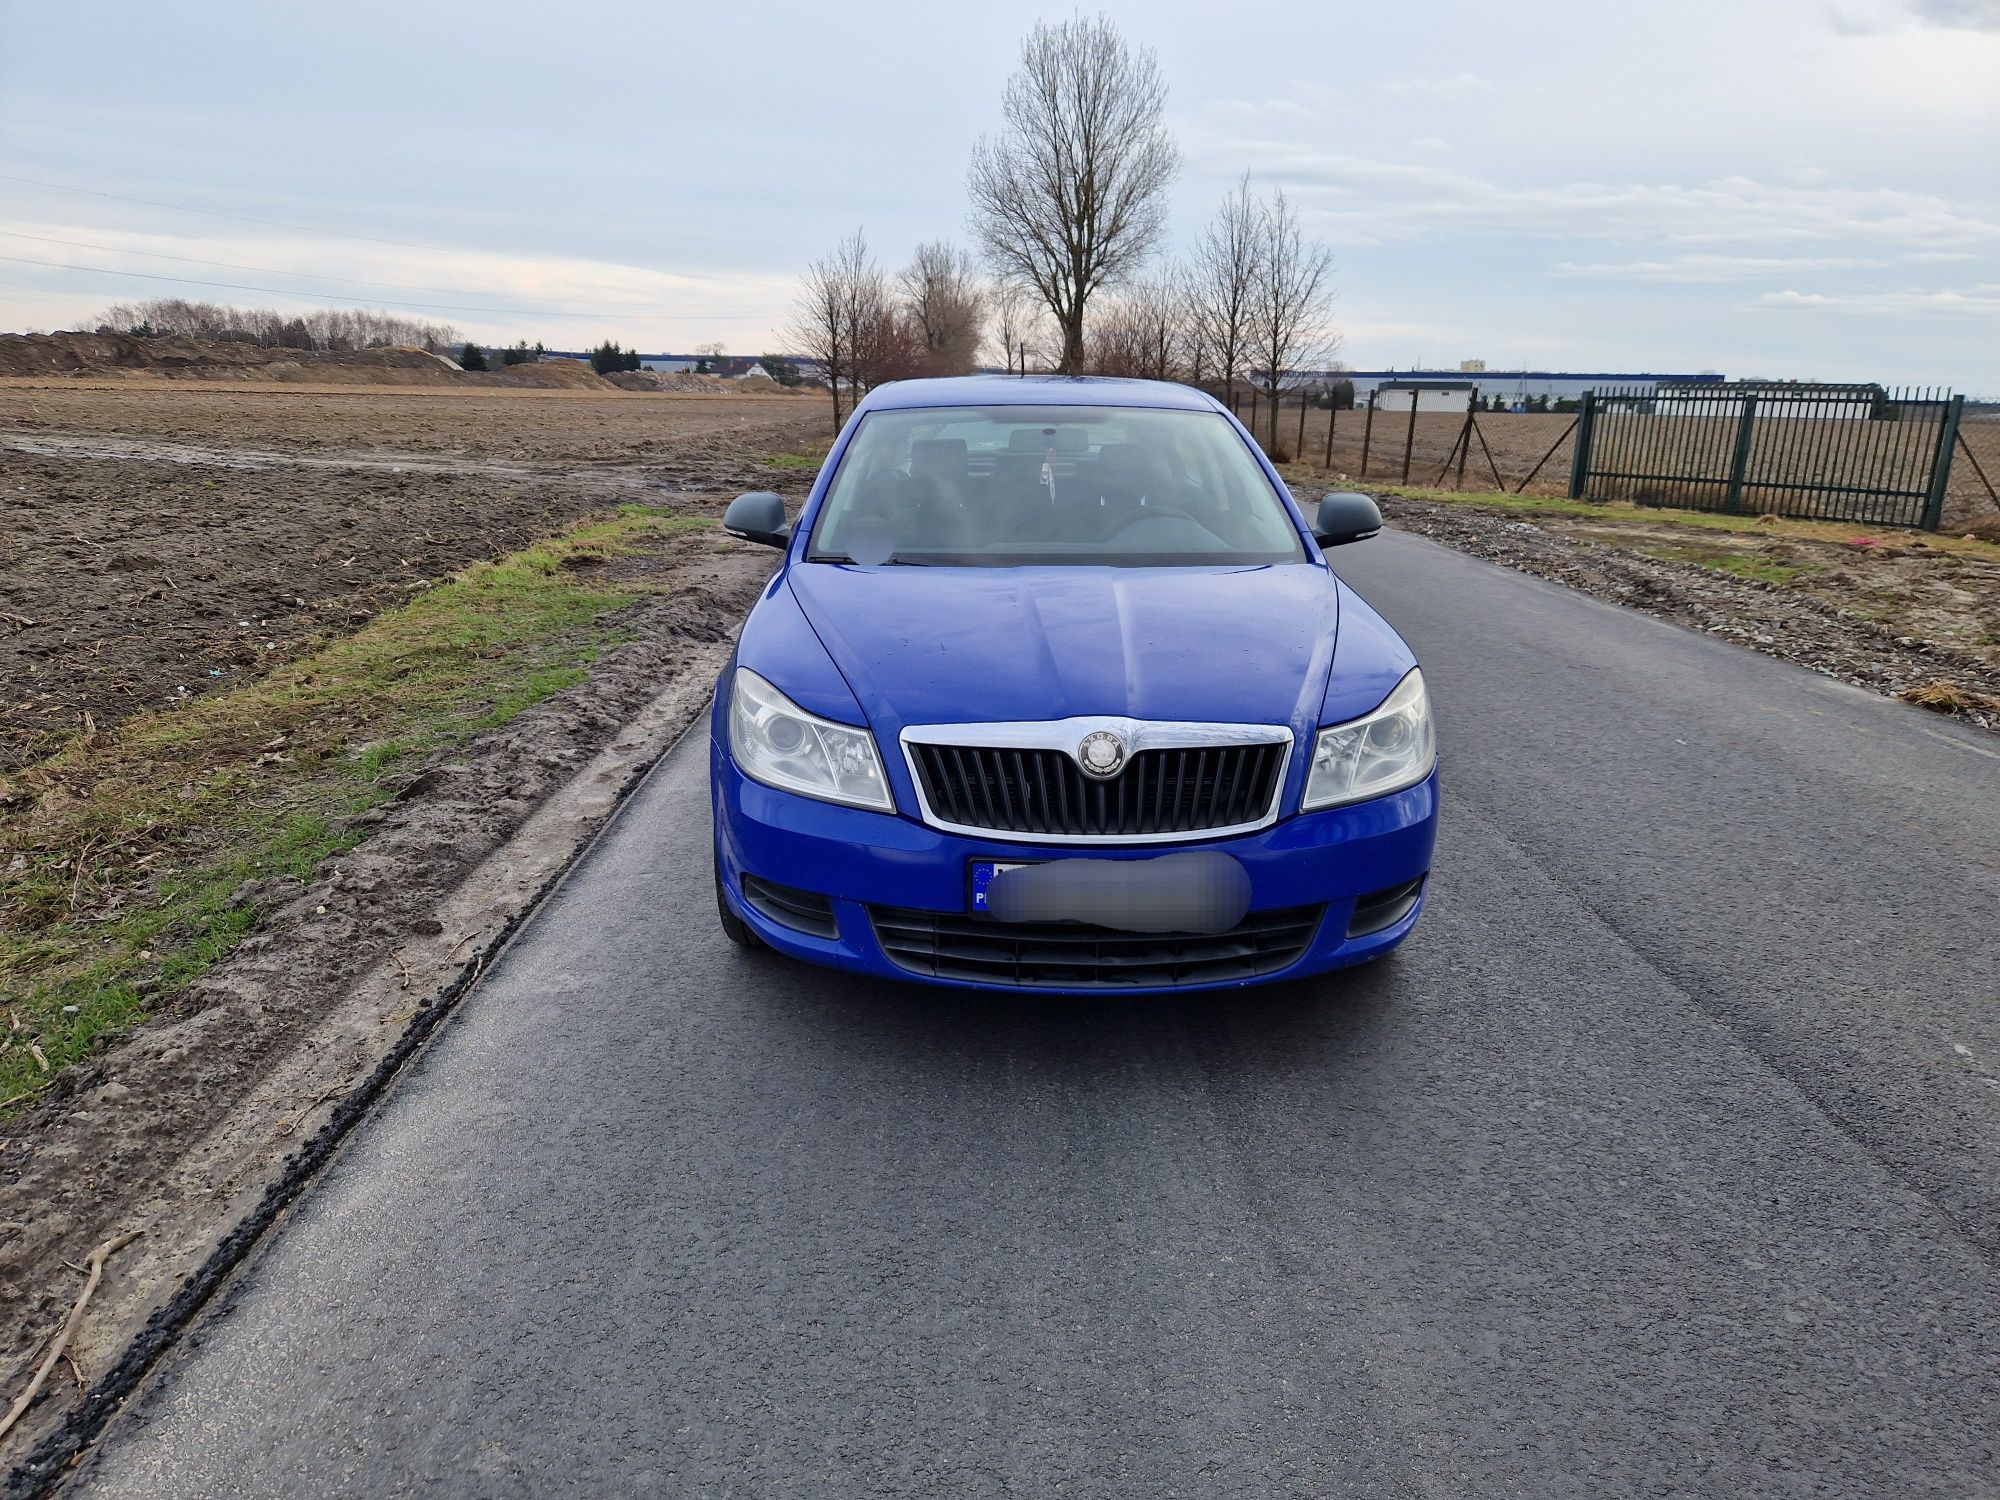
<point>1054,689</point>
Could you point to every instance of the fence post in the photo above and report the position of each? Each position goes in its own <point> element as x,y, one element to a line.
<point>1579,464</point>
<point>1299,448</point>
<point>1367,434</point>
<point>1746,427</point>
<point>1465,437</point>
<point>1954,413</point>
<point>1332,416</point>
<point>1409,437</point>
<point>1252,423</point>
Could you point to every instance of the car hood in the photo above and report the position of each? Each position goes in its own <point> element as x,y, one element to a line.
<point>923,645</point>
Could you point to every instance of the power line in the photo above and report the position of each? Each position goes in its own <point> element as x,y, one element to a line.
<point>195,260</point>
<point>277,291</point>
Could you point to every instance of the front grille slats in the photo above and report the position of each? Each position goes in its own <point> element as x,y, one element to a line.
<point>1160,793</point>
<point>804,911</point>
<point>951,945</point>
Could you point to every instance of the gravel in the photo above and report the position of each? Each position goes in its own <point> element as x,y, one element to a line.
<point>1762,616</point>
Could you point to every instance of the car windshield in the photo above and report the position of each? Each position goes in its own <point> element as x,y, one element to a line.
<point>1004,486</point>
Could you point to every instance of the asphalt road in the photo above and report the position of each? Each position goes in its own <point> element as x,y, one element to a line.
<point>1661,1162</point>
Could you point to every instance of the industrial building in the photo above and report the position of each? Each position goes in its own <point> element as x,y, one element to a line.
<point>1442,390</point>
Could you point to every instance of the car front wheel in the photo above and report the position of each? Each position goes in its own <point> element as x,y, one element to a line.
<point>733,927</point>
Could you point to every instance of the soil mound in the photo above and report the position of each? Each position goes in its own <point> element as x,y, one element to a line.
<point>549,375</point>
<point>636,380</point>
<point>686,382</point>
<point>96,355</point>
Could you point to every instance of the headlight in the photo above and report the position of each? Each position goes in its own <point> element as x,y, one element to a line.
<point>774,741</point>
<point>1376,754</point>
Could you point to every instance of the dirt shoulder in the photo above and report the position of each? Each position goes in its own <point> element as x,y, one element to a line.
<point>313,692</point>
<point>1903,614</point>
<point>212,1045</point>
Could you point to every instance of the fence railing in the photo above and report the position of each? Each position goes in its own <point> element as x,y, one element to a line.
<point>1836,453</point>
<point>1864,453</point>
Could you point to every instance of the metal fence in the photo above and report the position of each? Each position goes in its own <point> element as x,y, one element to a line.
<point>1862,453</point>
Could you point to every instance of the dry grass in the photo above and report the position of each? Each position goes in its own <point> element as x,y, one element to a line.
<point>1949,698</point>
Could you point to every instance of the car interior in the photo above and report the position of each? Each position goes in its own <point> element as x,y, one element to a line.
<point>1047,486</point>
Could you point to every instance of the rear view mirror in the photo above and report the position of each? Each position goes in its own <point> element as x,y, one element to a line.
<point>1344,516</point>
<point>757,517</point>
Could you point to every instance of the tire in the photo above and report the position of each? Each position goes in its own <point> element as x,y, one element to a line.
<point>733,927</point>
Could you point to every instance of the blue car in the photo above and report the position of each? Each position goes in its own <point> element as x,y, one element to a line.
<point>1054,690</point>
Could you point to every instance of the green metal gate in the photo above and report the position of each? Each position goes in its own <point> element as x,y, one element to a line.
<point>1828,452</point>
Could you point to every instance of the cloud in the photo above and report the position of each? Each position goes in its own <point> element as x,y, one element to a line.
<point>563,299</point>
<point>1981,301</point>
<point>1431,143</point>
<point>1957,15</point>
<point>1369,201</point>
<point>1435,88</point>
<point>1875,17</point>
<point>1703,269</point>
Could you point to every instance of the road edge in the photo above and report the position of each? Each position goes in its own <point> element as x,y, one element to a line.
<point>53,1458</point>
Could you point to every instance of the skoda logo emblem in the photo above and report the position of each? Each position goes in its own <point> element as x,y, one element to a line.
<point>1101,754</point>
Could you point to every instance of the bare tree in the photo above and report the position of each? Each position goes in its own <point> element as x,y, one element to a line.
<point>1114,344</point>
<point>1137,334</point>
<point>841,293</point>
<point>1291,299</point>
<point>942,293</point>
<point>1022,327</point>
<point>1012,315</point>
<point>1072,196</point>
<point>1222,280</point>
<point>1194,352</point>
<point>336,328</point>
<point>883,342</point>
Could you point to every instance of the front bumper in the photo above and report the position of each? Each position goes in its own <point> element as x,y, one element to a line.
<point>861,859</point>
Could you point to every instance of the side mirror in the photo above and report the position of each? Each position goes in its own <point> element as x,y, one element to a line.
<point>758,517</point>
<point>1345,517</point>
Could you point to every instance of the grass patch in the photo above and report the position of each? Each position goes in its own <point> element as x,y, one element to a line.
<point>809,458</point>
<point>1737,564</point>
<point>121,854</point>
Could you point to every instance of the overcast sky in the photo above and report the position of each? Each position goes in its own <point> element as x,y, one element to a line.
<point>1784,188</point>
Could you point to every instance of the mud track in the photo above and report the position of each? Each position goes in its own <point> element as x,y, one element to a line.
<point>159,543</point>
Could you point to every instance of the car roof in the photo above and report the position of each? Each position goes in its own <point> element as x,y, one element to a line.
<point>1036,390</point>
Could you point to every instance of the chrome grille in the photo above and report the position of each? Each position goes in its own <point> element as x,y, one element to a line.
<point>1160,793</point>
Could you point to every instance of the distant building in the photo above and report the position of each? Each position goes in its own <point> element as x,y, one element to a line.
<point>1422,395</point>
<point>1514,387</point>
<point>729,366</point>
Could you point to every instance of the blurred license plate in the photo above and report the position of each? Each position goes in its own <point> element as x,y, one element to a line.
<point>983,871</point>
